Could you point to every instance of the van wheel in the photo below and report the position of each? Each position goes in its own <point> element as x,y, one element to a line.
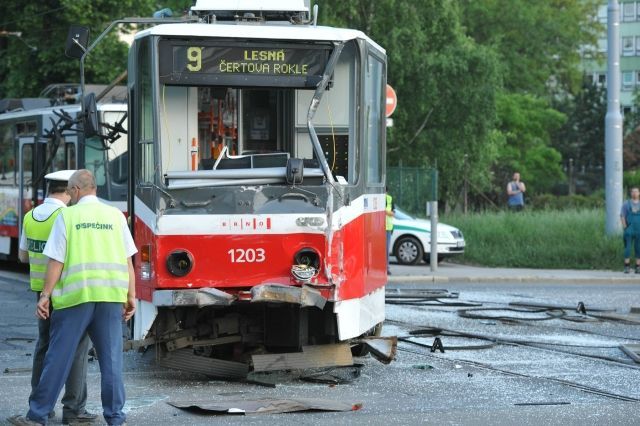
<point>408,250</point>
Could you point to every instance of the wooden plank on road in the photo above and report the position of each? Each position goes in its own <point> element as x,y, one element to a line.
<point>311,357</point>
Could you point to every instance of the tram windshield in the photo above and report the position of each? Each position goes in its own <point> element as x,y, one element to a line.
<point>244,107</point>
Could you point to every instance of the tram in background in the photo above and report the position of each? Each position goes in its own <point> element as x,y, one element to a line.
<point>256,187</point>
<point>30,148</point>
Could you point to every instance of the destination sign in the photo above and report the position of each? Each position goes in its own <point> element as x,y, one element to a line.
<point>201,63</point>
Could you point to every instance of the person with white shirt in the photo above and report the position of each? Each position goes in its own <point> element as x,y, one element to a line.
<point>36,228</point>
<point>91,284</point>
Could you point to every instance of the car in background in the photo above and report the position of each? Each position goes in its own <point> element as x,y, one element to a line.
<point>411,239</point>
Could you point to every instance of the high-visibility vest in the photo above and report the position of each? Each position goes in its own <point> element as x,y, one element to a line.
<point>389,209</point>
<point>95,266</point>
<point>37,233</point>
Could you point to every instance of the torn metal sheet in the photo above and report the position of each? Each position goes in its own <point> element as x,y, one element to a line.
<point>381,348</point>
<point>184,359</point>
<point>196,297</point>
<point>266,405</point>
<point>304,296</point>
<point>632,350</point>
<point>310,357</point>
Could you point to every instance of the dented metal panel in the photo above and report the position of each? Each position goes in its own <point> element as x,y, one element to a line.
<point>304,296</point>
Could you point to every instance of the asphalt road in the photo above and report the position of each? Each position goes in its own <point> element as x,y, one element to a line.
<point>548,367</point>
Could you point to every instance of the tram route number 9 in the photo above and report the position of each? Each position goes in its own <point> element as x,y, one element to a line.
<point>247,255</point>
<point>194,56</point>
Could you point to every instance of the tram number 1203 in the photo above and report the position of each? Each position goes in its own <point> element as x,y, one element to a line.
<point>247,255</point>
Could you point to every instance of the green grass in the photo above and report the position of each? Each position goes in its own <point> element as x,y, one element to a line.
<point>570,239</point>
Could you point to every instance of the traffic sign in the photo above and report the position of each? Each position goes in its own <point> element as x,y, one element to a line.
<point>392,101</point>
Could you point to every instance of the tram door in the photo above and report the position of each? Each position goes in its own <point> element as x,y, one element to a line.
<point>33,155</point>
<point>27,154</point>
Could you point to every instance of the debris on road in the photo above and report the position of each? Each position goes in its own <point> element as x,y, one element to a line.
<point>265,405</point>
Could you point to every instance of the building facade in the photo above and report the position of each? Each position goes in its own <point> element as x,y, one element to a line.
<point>595,66</point>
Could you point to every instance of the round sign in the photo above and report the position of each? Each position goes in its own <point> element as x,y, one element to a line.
<point>392,101</point>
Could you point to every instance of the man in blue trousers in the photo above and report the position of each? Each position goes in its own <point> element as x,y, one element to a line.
<point>91,284</point>
<point>36,228</point>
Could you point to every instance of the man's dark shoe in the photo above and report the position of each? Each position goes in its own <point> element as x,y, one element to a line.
<point>637,269</point>
<point>22,421</point>
<point>626,269</point>
<point>80,419</point>
<point>52,414</point>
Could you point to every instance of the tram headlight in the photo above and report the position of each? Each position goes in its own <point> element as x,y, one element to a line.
<point>179,262</point>
<point>306,265</point>
<point>308,257</point>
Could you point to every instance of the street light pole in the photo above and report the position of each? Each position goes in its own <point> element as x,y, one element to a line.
<point>613,123</point>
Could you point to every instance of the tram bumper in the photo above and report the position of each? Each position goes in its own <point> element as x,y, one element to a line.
<point>304,296</point>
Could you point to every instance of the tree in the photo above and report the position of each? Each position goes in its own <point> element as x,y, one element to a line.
<point>527,123</point>
<point>538,42</point>
<point>445,82</point>
<point>36,58</point>
<point>581,139</point>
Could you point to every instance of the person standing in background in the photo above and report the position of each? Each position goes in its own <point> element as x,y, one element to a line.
<point>390,213</point>
<point>630,218</point>
<point>515,191</point>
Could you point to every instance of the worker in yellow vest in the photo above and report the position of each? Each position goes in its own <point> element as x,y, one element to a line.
<point>36,227</point>
<point>90,283</point>
<point>390,213</point>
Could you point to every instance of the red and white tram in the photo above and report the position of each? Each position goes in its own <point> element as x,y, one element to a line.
<point>256,190</point>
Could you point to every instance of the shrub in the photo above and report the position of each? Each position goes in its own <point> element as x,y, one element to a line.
<point>569,239</point>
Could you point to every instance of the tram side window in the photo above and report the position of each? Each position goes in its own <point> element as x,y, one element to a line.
<point>94,160</point>
<point>117,153</point>
<point>146,159</point>
<point>335,120</point>
<point>373,119</point>
<point>7,154</point>
<point>27,163</point>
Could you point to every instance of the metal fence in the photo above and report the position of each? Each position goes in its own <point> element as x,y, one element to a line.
<point>412,187</point>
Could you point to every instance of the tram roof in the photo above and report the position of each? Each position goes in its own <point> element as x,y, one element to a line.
<point>283,31</point>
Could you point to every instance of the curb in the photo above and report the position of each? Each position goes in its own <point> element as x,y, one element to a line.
<point>503,279</point>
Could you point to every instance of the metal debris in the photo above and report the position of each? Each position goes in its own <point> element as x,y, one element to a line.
<point>266,405</point>
<point>184,359</point>
<point>304,296</point>
<point>381,348</point>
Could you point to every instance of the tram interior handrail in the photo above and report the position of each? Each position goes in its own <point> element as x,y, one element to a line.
<point>225,177</point>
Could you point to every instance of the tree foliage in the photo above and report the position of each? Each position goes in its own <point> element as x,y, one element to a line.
<point>36,58</point>
<point>527,123</point>
<point>445,83</point>
<point>538,42</point>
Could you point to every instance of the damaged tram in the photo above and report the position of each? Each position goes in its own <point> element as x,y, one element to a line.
<point>256,199</point>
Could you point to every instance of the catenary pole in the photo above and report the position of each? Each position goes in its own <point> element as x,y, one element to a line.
<point>613,124</point>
